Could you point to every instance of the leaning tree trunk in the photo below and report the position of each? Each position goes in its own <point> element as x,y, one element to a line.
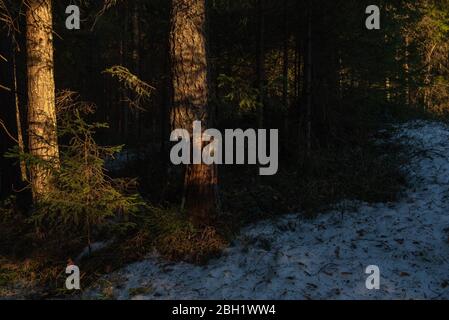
<point>43,144</point>
<point>190,100</point>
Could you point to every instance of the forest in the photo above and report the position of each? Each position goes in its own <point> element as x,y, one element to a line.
<point>322,149</point>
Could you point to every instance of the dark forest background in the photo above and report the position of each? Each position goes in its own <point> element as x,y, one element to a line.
<point>308,68</point>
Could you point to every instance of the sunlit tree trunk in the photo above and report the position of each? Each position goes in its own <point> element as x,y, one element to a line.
<point>190,100</point>
<point>43,144</point>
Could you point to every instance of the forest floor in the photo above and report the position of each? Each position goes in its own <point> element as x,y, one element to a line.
<point>324,258</point>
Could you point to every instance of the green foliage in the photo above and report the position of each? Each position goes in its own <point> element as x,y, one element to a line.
<point>130,81</point>
<point>7,209</point>
<point>428,31</point>
<point>12,225</point>
<point>83,198</point>
<point>140,89</point>
<point>238,91</point>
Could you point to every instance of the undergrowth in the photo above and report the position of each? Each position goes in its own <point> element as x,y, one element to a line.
<point>32,255</point>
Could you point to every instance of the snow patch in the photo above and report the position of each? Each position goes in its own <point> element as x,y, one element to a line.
<point>325,258</point>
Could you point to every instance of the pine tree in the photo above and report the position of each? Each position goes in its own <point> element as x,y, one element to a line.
<point>190,100</point>
<point>43,144</point>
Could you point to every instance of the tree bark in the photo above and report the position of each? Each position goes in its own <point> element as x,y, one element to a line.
<point>124,107</point>
<point>309,77</point>
<point>285,78</point>
<point>407,71</point>
<point>23,169</point>
<point>43,144</point>
<point>299,92</point>
<point>261,62</point>
<point>135,19</point>
<point>190,101</point>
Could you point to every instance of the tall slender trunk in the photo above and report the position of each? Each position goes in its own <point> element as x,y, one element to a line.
<point>124,107</point>
<point>261,62</point>
<point>135,20</point>
<point>23,169</point>
<point>309,71</point>
<point>299,83</point>
<point>387,89</point>
<point>190,100</point>
<point>285,82</point>
<point>428,77</point>
<point>136,38</point>
<point>43,142</point>
<point>407,72</point>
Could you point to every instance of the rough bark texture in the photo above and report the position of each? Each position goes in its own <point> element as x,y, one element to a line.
<point>41,95</point>
<point>190,100</point>
<point>200,195</point>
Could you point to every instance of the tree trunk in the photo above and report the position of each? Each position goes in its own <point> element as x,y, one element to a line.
<point>299,92</point>
<point>190,100</point>
<point>285,79</point>
<point>261,62</point>
<point>43,142</point>
<point>136,38</point>
<point>309,81</point>
<point>23,169</point>
<point>407,72</point>
<point>7,138</point>
<point>136,59</point>
<point>124,107</point>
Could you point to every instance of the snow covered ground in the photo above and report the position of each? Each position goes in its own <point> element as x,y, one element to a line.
<point>326,258</point>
